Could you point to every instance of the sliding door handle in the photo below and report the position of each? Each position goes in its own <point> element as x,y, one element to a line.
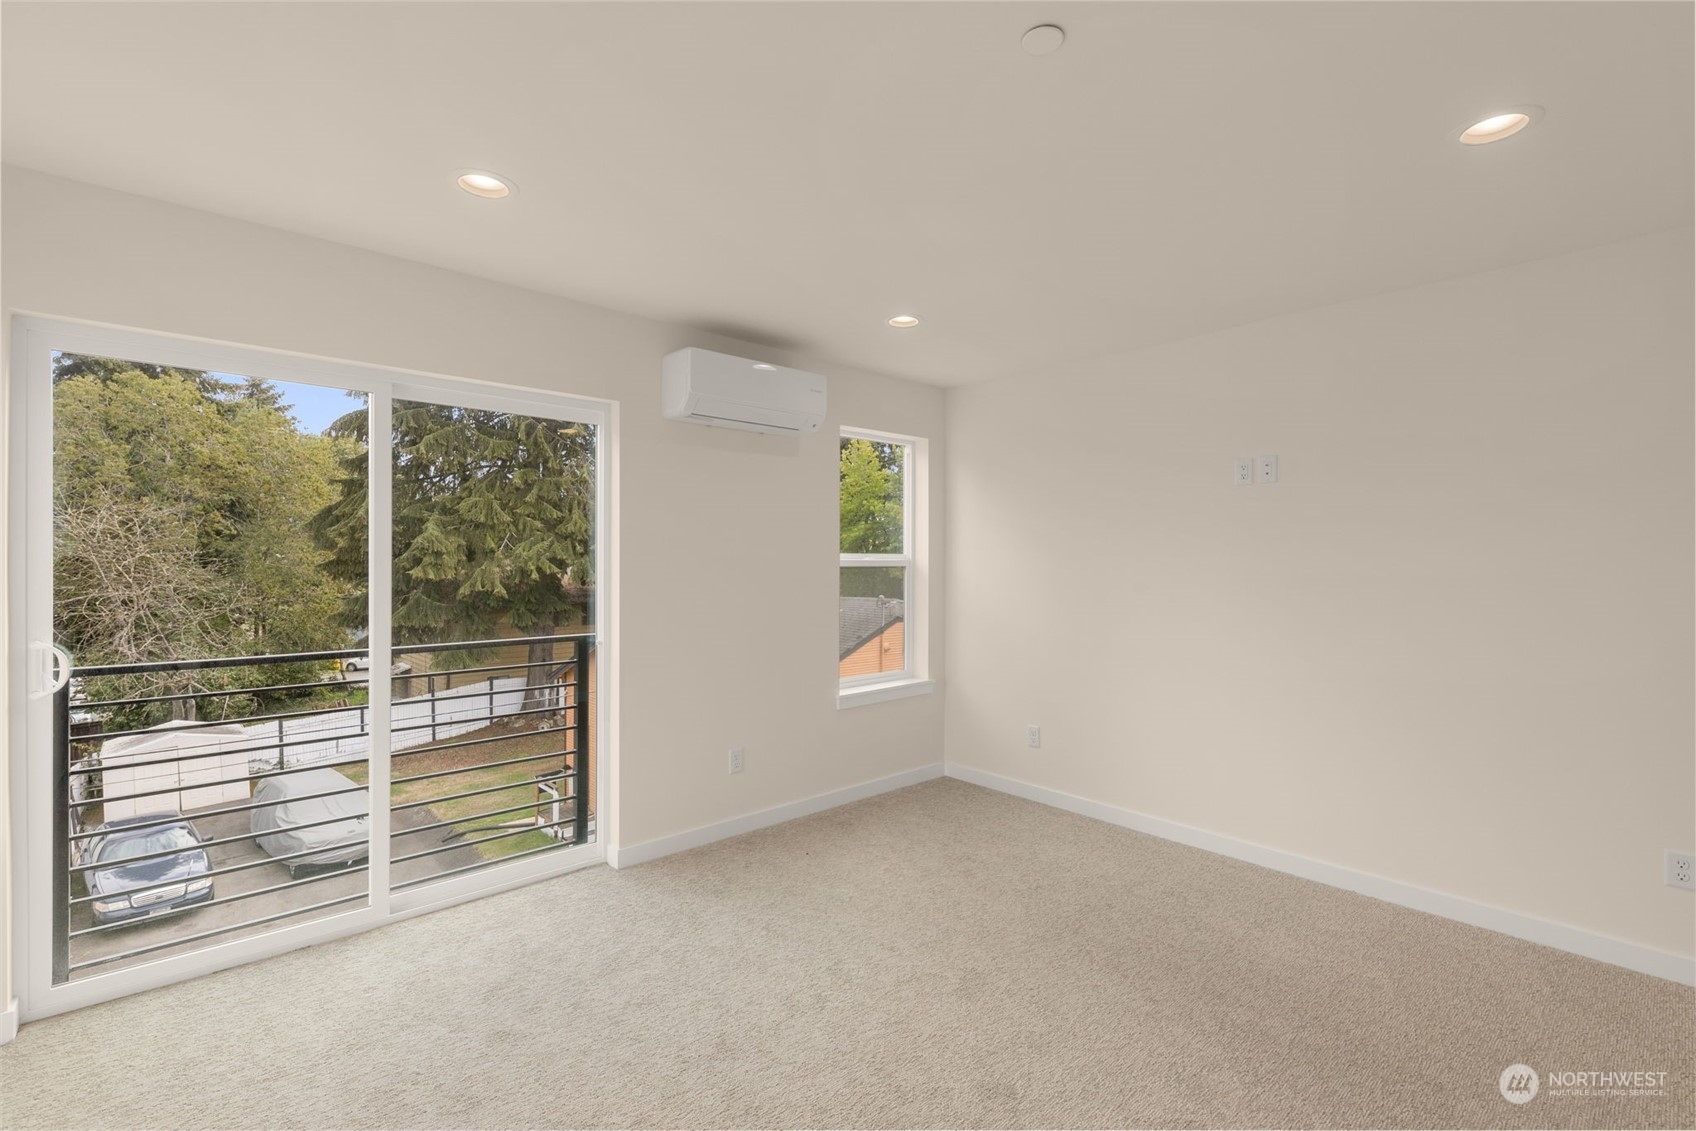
<point>52,672</point>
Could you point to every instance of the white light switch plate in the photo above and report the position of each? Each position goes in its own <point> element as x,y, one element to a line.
<point>1267,469</point>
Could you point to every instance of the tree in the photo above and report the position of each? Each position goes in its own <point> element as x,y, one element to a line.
<point>182,506</point>
<point>492,524</point>
<point>128,587</point>
<point>70,365</point>
<point>872,518</point>
<point>871,496</point>
<point>283,480</point>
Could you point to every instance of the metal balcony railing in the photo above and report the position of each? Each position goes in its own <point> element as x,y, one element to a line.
<point>461,727</point>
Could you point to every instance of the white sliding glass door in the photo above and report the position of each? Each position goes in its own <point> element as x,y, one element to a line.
<point>302,647</point>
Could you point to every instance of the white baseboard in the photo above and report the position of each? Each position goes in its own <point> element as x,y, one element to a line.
<point>9,1022</point>
<point>624,856</point>
<point>1603,948</point>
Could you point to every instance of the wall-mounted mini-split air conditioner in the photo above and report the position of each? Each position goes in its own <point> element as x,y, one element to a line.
<point>704,387</point>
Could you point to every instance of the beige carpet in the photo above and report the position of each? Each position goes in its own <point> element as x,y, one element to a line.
<point>943,956</point>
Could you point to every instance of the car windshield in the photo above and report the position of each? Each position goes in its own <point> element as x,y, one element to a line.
<point>159,840</point>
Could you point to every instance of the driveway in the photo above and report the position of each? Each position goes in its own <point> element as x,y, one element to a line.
<point>327,886</point>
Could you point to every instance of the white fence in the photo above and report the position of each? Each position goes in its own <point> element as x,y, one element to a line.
<point>339,736</point>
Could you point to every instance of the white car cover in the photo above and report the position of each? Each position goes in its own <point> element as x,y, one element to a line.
<point>334,842</point>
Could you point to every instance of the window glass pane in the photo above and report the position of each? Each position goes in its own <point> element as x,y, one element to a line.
<point>202,542</point>
<point>872,620</point>
<point>494,614</point>
<point>873,496</point>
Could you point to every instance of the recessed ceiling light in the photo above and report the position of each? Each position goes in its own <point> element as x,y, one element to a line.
<point>486,185</point>
<point>903,321</point>
<point>763,365</point>
<point>1044,39</point>
<point>1498,126</point>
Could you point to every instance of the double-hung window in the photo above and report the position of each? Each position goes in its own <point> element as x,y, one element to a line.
<point>877,629</point>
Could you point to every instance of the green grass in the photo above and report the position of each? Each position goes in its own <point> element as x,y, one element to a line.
<point>325,696</point>
<point>471,815</point>
<point>467,813</point>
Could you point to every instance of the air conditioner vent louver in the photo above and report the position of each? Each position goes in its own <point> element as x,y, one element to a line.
<point>732,422</point>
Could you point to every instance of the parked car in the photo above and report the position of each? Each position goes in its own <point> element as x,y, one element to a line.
<point>356,669</point>
<point>141,888</point>
<point>290,808</point>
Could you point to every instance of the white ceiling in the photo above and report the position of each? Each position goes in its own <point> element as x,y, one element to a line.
<point>795,173</point>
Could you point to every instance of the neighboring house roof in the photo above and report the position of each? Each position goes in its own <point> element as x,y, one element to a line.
<point>863,619</point>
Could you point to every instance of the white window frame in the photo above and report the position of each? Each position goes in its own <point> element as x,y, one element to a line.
<point>30,538</point>
<point>875,687</point>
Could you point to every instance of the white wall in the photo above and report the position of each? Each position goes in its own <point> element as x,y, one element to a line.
<point>1452,646</point>
<point>728,539</point>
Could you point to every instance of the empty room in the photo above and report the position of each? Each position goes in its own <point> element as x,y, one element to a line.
<point>849,564</point>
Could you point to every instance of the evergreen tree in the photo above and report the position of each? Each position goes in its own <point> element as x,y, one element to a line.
<point>492,524</point>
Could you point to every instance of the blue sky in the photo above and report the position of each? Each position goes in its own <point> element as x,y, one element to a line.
<point>314,406</point>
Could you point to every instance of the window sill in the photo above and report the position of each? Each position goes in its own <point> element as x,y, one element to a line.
<point>865,694</point>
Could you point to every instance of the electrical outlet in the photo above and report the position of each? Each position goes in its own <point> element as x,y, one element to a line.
<point>1244,474</point>
<point>1681,870</point>
<point>1268,469</point>
<point>1033,736</point>
<point>735,759</point>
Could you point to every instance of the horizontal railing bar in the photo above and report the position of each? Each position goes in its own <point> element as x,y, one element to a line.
<point>308,657</point>
<point>202,813</point>
<point>449,673</point>
<point>100,928</point>
<point>434,747</point>
<point>259,862</point>
<point>219,843</point>
<point>283,745</point>
<point>488,694</point>
<point>264,860</point>
<point>450,645</point>
<point>289,744</point>
<point>446,673</point>
<point>532,805</point>
<point>483,694</point>
<point>482,840</point>
<point>263,774</point>
<point>269,690</point>
<point>198,725</point>
<point>508,715</point>
<point>214,662</point>
<point>483,864</point>
<point>180,788</point>
<point>255,720</point>
<point>272,689</point>
<point>104,959</point>
<point>475,793</point>
<point>479,766</point>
